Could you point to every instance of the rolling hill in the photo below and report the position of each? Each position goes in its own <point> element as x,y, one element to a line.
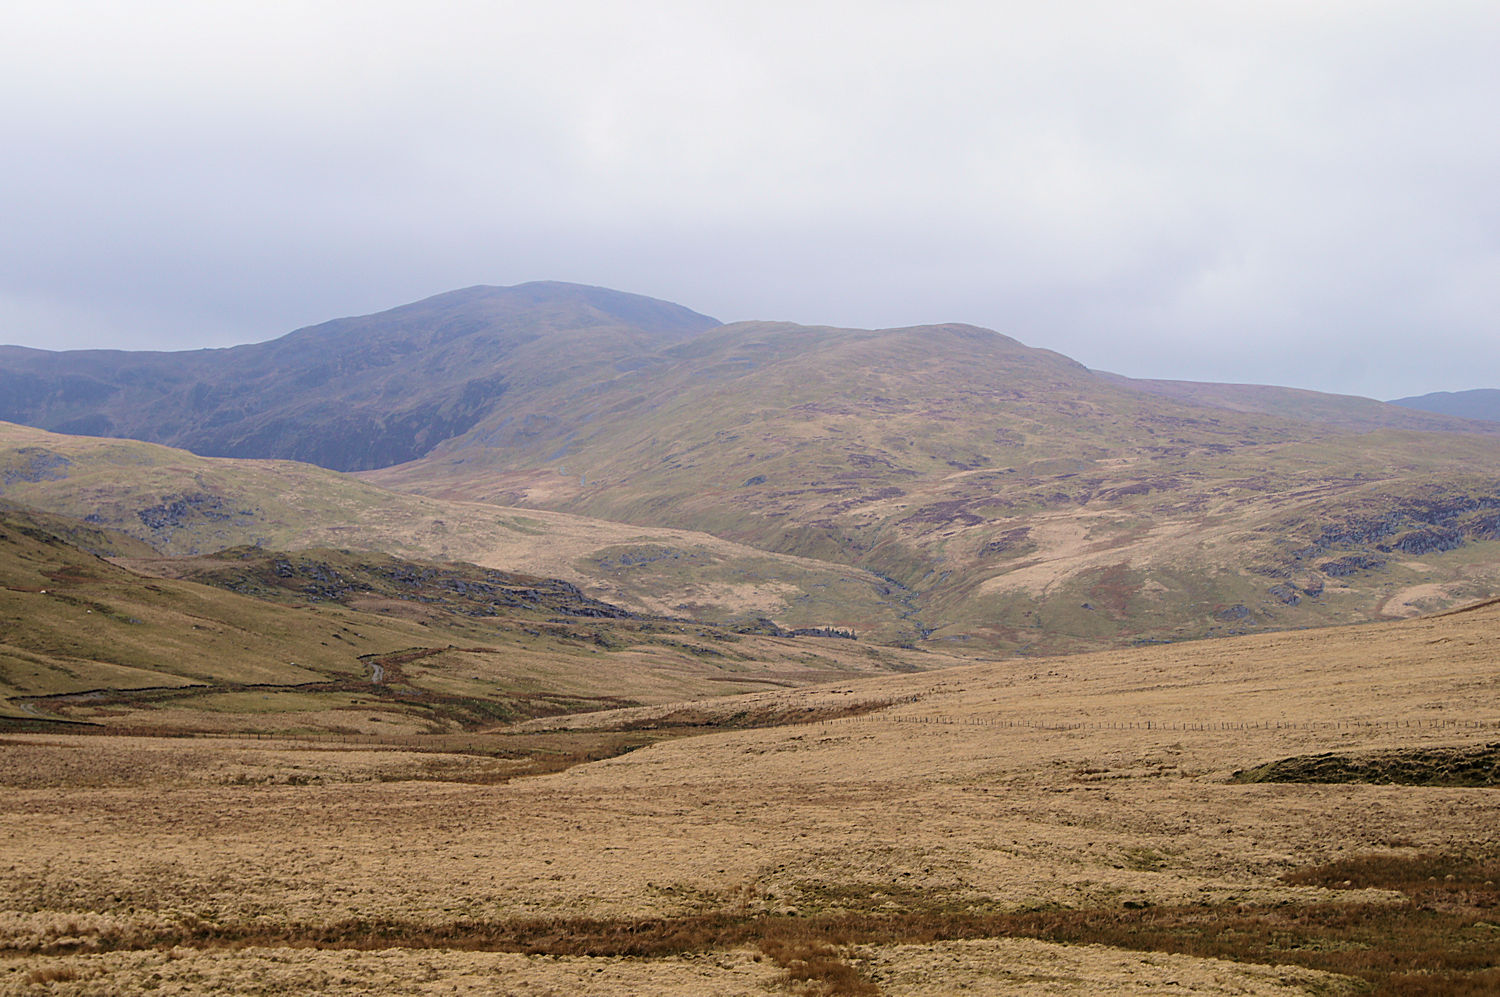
<point>940,482</point>
<point>256,640</point>
<point>182,504</point>
<point>1026,502</point>
<point>1480,403</point>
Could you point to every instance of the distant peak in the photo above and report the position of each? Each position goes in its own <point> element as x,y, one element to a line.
<point>1478,403</point>
<point>636,309</point>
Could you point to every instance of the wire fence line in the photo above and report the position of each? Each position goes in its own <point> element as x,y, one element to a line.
<point>1170,725</point>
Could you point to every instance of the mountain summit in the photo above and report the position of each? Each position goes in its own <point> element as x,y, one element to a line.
<point>993,493</point>
<point>351,394</point>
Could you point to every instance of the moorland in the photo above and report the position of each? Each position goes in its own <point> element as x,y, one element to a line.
<point>551,639</point>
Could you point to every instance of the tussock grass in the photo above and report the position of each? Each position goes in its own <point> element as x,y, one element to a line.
<point>813,965</point>
<point>901,851</point>
<point>52,974</point>
<point>1439,941</point>
<point>1423,875</point>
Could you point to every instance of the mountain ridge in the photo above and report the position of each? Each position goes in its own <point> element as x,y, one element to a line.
<point>1477,403</point>
<point>349,394</point>
<point>1349,412</point>
<point>985,490</point>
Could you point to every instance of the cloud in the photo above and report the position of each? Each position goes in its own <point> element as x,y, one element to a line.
<point>1279,191</point>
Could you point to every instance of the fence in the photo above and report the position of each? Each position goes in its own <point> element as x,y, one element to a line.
<point>1172,725</point>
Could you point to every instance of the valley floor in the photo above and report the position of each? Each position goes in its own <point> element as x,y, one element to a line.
<point>1059,826</point>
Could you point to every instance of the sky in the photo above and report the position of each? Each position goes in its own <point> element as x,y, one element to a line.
<point>1267,191</point>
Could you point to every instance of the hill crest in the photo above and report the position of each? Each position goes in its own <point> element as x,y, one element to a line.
<point>987,490</point>
<point>350,394</point>
<point>1479,403</point>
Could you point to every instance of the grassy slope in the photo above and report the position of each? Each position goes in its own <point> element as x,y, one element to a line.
<point>184,504</point>
<point>74,624</point>
<point>359,579</point>
<point>1027,502</point>
<point>983,492</point>
<point>1064,823</point>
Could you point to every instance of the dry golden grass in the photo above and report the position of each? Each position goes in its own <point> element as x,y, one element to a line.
<point>556,674</point>
<point>279,971</point>
<point>1027,966</point>
<point>942,817</point>
<point>989,966</point>
<point>84,761</point>
<point>298,506</point>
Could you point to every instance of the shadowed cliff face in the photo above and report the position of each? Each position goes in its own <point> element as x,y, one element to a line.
<point>352,394</point>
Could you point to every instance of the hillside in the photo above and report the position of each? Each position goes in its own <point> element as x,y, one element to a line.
<point>181,504</point>
<point>349,394</point>
<point>1074,826</point>
<point>1481,403</point>
<point>1349,413</point>
<point>938,482</point>
<point>335,641</point>
<point>1027,502</point>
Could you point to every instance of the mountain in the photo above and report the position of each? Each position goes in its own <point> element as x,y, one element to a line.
<point>541,591</point>
<point>1346,412</point>
<point>350,394</point>
<point>1480,403</point>
<point>1024,501</point>
<point>941,482</point>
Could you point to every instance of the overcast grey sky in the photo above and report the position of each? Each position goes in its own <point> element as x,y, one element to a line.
<point>1279,191</point>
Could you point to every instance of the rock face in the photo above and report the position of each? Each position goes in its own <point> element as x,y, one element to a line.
<point>1345,566</point>
<point>35,464</point>
<point>1412,526</point>
<point>352,394</point>
<point>1286,594</point>
<point>339,576</point>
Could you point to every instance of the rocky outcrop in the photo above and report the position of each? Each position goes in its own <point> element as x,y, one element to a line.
<point>1344,566</point>
<point>464,590</point>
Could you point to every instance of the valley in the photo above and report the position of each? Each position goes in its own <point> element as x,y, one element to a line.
<point>338,643</point>
<point>937,483</point>
<point>555,639</point>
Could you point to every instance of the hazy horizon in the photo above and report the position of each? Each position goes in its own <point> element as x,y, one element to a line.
<point>1275,193</point>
